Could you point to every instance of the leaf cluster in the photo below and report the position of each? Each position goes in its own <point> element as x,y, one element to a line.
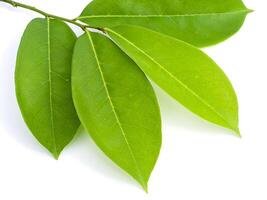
<point>102,79</point>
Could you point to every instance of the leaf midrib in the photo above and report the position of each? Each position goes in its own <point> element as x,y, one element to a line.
<point>203,101</point>
<point>50,71</point>
<point>113,109</point>
<point>163,16</point>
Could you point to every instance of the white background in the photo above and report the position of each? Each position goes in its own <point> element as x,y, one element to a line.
<point>198,161</point>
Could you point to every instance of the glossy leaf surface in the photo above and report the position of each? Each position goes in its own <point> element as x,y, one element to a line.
<point>117,105</point>
<point>199,22</point>
<point>183,71</point>
<point>43,84</point>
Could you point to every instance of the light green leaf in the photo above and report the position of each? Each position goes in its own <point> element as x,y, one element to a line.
<point>198,22</point>
<point>183,71</point>
<point>43,84</point>
<point>117,105</point>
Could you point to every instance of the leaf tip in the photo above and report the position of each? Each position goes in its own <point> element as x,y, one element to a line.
<point>250,11</point>
<point>55,155</point>
<point>144,186</point>
<point>237,132</point>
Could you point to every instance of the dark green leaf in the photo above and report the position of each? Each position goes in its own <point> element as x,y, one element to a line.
<point>117,105</point>
<point>183,71</point>
<point>199,22</point>
<point>43,85</point>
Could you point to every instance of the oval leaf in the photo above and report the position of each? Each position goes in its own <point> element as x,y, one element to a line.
<point>183,71</point>
<point>117,105</point>
<point>43,85</point>
<point>201,22</point>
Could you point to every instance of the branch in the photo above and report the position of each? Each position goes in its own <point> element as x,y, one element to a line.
<point>28,7</point>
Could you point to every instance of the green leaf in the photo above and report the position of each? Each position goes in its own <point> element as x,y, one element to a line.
<point>183,71</point>
<point>198,22</point>
<point>117,105</point>
<point>43,84</point>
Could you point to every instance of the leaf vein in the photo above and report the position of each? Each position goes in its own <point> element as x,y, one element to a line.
<point>203,101</point>
<point>113,108</point>
<point>164,16</point>
<point>50,86</point>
